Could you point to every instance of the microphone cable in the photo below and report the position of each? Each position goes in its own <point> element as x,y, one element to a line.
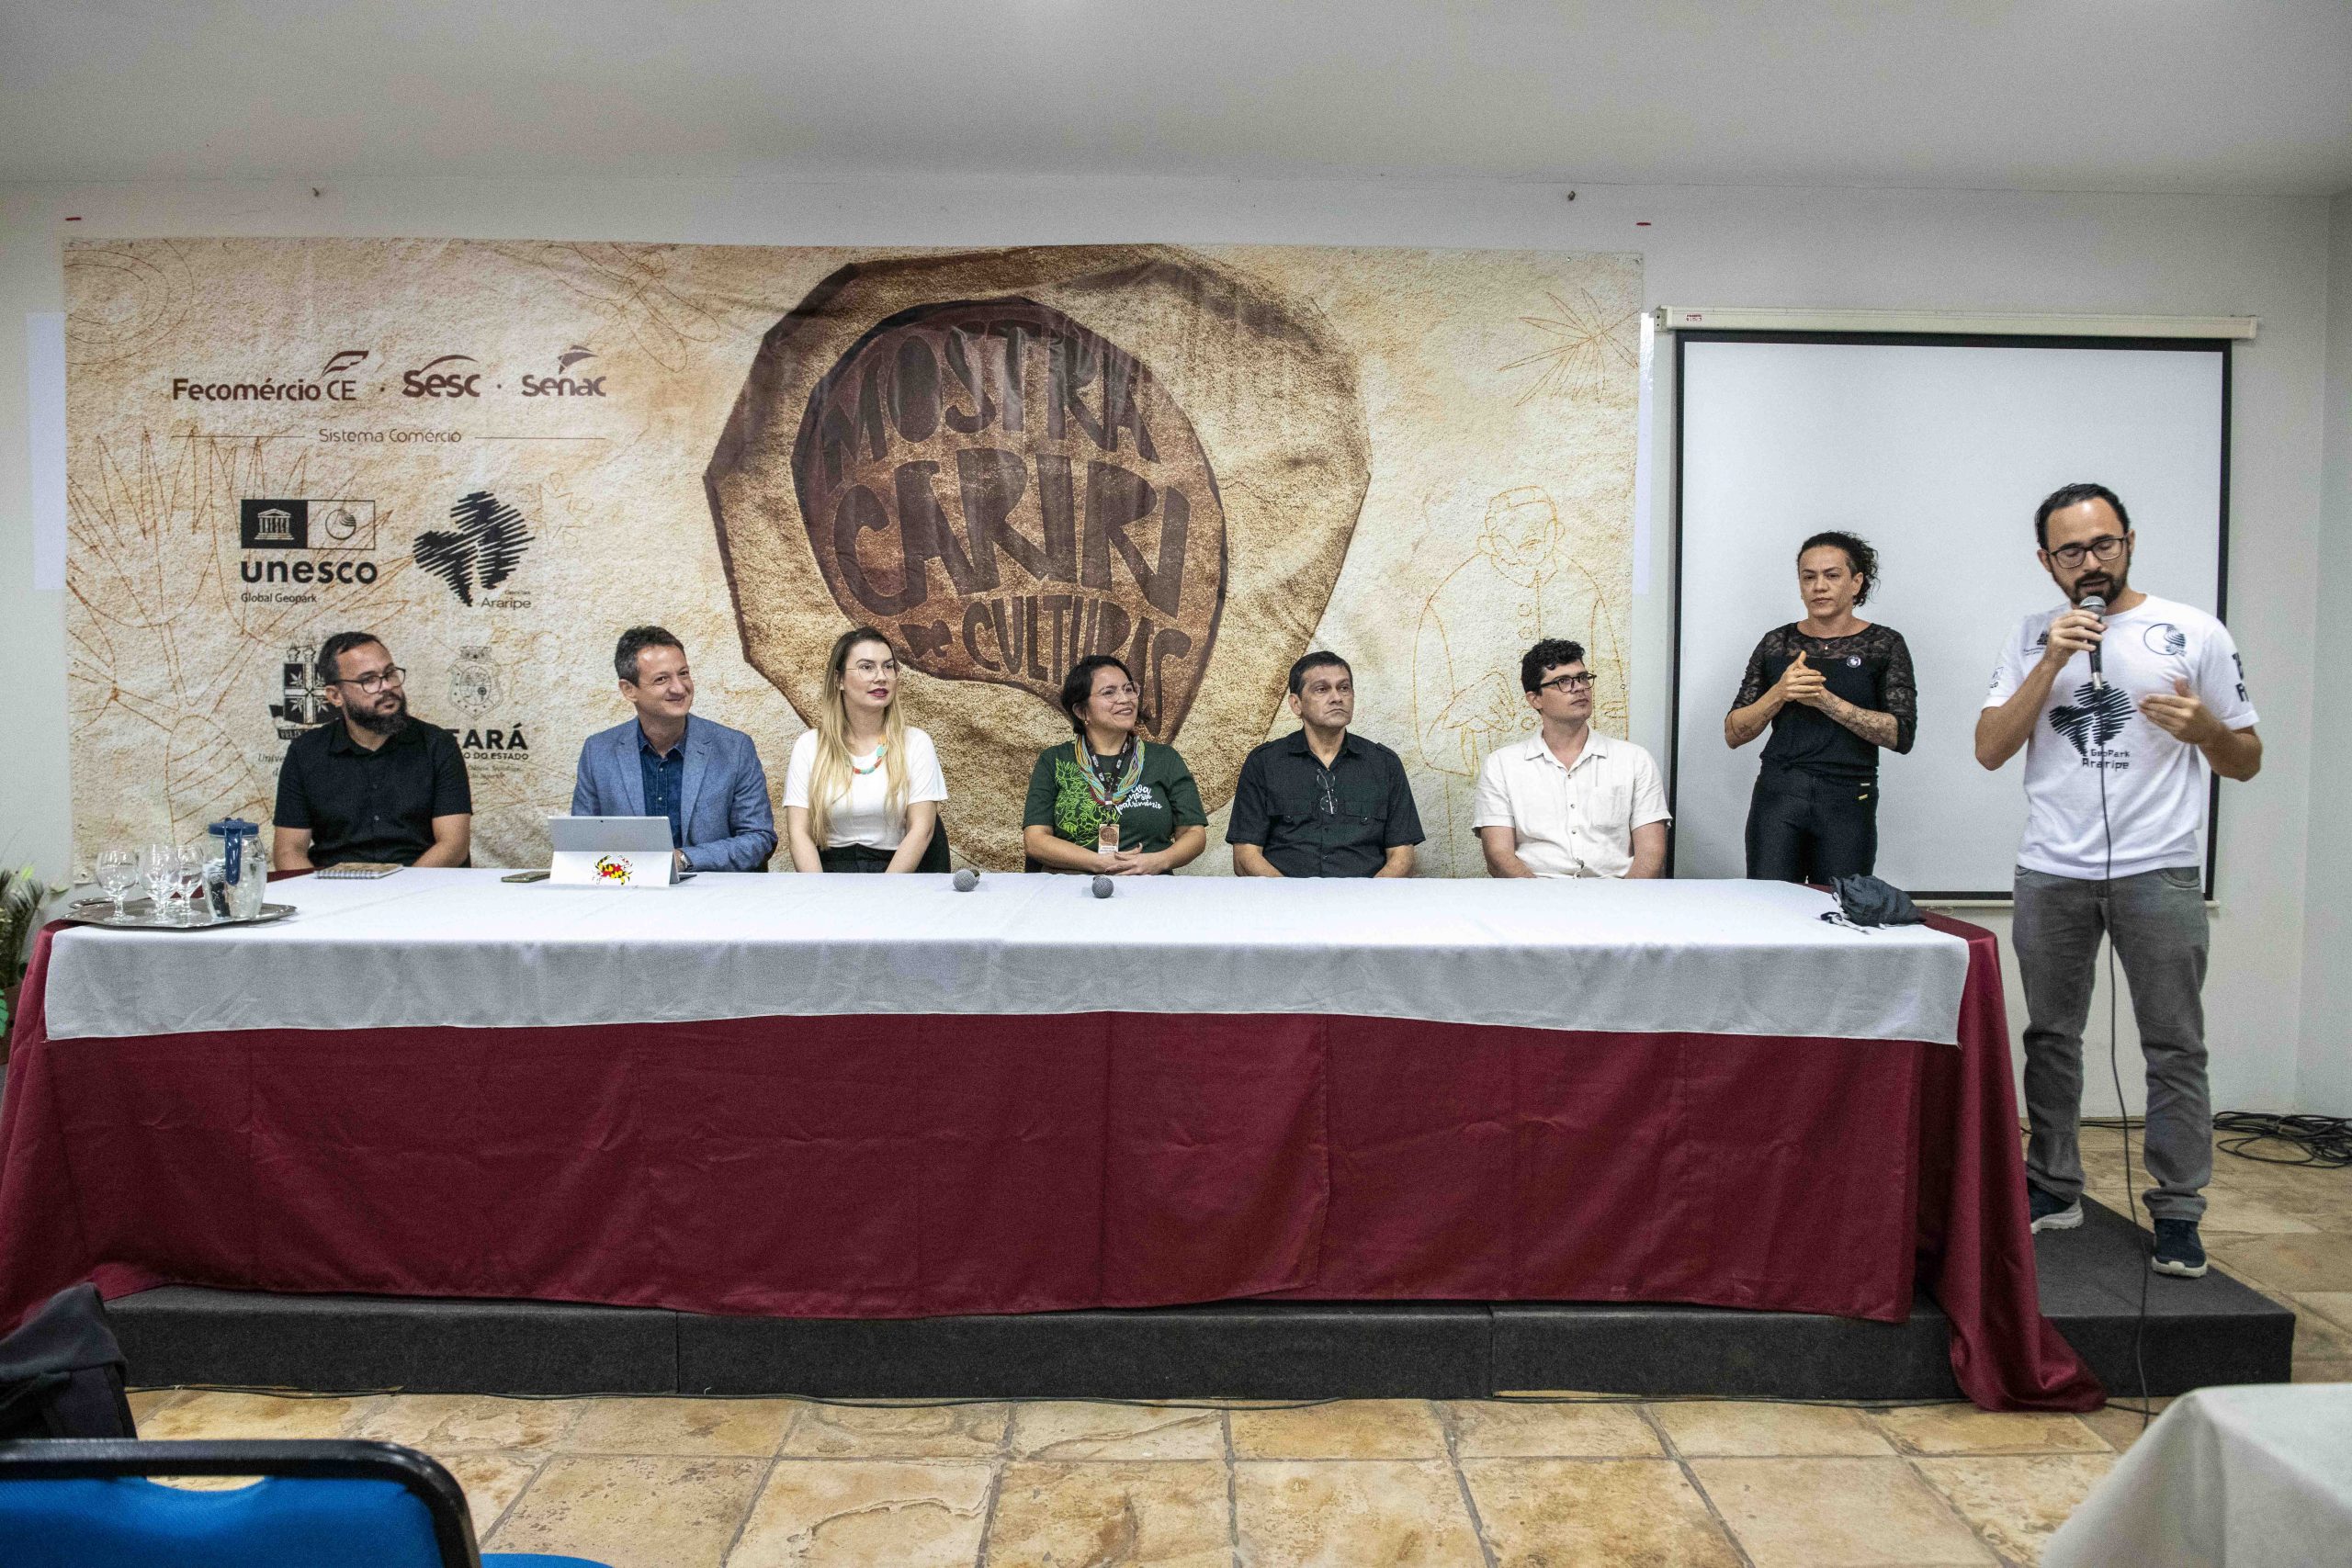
<point>2115,1070</point>
<point>2326,1141</point>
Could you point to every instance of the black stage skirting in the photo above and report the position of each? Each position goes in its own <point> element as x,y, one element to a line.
<point>2199,1333</point>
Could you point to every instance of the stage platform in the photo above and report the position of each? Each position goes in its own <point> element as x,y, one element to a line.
<point>2199,1332</point>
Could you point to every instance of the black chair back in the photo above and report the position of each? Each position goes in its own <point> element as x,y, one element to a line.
<point>61,1373</point>
<point>934,853</point>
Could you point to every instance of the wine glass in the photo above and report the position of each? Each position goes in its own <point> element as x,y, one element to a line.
<point>188,877</point>
<point>117,874</point>
<point>161,866</point>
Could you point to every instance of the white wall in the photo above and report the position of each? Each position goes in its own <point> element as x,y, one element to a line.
<point>2174,255</point>
<point>2326,1065</point>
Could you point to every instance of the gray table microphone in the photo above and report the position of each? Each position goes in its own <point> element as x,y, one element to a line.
<point>967,879</point>
<point>1102,887</point>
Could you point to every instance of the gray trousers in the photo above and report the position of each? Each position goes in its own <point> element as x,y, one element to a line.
<point>2156,920</point>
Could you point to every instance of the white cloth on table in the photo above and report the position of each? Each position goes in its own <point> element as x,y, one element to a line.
<point>2252,1477</point>
<point>865,817</point>
<point>460,947</point>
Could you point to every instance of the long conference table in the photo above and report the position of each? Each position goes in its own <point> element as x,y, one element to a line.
<point>879,1097</point>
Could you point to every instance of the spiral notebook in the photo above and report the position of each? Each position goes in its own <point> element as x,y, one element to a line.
<point>357,871</point>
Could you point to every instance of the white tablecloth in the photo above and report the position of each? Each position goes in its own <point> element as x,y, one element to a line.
<point>2254,1477</point>
<point>462,948</point>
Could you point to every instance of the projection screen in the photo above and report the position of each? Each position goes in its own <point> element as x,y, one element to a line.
<point>1936,450</point>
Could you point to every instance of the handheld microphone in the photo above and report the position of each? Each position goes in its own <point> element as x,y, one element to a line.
<point>967,879</point>
<point>1102,887</point>
<point>2096,605</point>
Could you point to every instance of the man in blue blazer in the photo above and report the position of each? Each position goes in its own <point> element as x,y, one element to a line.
<point>703,776</point>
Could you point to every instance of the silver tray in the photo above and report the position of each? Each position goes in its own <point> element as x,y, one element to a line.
<point>138,914</point>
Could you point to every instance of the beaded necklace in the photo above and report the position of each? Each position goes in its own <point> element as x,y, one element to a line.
<point>879,752</point>
<point>1110,801</point>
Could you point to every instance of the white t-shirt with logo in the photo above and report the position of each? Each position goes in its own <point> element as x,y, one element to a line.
<point>864,818</point>
<point>2156,785</point>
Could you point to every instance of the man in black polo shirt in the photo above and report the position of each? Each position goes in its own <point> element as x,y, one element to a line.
<point>1323,802</point>
<point>375,785</point>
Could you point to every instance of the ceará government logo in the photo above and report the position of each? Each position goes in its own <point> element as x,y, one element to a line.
<point>329,385</point>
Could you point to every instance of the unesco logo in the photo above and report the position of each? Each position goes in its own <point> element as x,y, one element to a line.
<point>277,530</point>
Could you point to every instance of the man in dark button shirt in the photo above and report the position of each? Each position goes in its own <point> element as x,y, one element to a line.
<point>1323,802</point>
<point>374,784</point>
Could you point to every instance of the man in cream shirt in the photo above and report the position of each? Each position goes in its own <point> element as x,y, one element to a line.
<point>1565,801</point>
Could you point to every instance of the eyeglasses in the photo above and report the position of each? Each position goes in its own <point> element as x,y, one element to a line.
<point>376,680</point>
<point>2106,547</point>
<point>1568,683</point>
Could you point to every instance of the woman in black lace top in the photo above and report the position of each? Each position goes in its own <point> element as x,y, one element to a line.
<point>1835,690</point>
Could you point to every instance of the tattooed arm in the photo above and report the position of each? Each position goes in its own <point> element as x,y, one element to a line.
<point>1878,728</point>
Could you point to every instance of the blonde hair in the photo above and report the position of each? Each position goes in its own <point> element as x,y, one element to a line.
<point>828,775</point>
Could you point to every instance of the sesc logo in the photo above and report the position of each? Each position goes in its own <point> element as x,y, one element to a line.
<point>566,385</point>
<point>428,381</point>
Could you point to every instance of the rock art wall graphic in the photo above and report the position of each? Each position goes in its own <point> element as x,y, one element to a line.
<point>499,454</point>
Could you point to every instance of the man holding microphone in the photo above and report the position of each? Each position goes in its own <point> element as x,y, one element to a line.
<point>2121,702</point>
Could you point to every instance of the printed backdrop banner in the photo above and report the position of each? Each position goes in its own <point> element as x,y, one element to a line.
<point>497,456</point>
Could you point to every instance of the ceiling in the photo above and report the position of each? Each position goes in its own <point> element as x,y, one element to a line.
<point>2004,94</point>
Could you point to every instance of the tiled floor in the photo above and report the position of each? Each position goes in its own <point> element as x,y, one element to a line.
<point>762,1484</point>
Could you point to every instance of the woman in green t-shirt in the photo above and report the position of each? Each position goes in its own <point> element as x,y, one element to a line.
<point>1110,802</point>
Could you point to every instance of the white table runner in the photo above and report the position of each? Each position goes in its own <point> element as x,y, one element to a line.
<point>461,948</point>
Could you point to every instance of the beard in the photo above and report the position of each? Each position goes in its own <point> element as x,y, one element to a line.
<point>2107,585</point>
<point>384,723</point>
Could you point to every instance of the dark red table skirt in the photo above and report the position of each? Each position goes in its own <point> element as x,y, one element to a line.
<point>887,1167</point>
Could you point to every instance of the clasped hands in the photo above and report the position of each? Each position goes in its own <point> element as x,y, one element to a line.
<point>1125,862</point>
<point>1801,683</point>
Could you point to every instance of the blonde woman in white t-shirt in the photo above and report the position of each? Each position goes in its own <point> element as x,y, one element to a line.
<point>864,789</point>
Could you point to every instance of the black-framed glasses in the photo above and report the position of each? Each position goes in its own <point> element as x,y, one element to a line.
<point>377,680</point>
<point>2106,547</point>
<point>1568,683</point>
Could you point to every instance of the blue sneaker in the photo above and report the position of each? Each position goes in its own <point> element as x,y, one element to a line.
<point>2178,1252</point>
<point>2049,1211</point>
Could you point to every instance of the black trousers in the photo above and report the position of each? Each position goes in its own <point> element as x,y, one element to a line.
<point>1804,827</point>
<point>858,857</point>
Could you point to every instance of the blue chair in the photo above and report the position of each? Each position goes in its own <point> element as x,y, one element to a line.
<point>86,1503</point>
